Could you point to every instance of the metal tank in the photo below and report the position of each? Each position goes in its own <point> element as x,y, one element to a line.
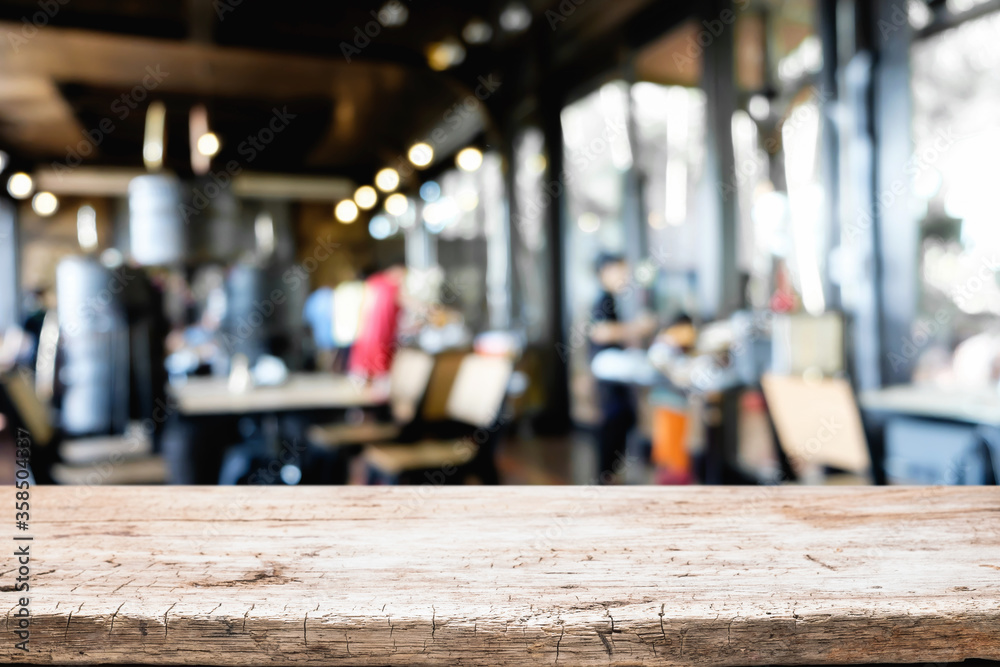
<point>94,347</point>
<point>157,220</point>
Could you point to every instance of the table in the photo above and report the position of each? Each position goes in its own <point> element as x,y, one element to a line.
<point>303,391</point>
<point>916,401</point>
<point>513,575</point>
<point>967,416</point>
<point>207,414</point>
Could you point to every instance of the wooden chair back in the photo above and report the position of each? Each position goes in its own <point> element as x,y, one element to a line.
<point>479,389</point>
<point>818,421</point>
<point>408,380</point>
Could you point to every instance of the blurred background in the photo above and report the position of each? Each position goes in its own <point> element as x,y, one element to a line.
<point>509,241</point>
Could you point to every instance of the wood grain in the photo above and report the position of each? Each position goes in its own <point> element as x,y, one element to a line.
<point>512,576</point>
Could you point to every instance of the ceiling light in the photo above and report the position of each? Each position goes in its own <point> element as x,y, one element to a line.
<point>469,159</point>
<point>152,155</point>
<point>430,191</point>
<point>200,143</point>
<point>477,31</point>
<point>365,197</point>
<point>445,54</point>
<point>263,231</point>
<point>421,154</point>
<point>393,14</point>
<point>759,107</point>
<point>346,211</point>
<point>396,204</point>
<point>380,227</point>
<point>86,227</point>
<point>387,180</point>
<point>45,204</point>
<point>515,17</point>
<point>208,144</point>
<point>112,258</point>
<point>20,185</point>
<point>153,137</point>
<point>441,214</point>
<point>588,222</point>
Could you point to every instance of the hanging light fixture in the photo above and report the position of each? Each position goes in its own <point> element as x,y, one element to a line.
<point>208,144</point>
<point>153,140</point>
<point>396,204</point>
<point>365,197</point>
<point>477,31</point>
<point>421,154</point>
<point>204,144</point>
<point>469,159</point>
<point>20,185</point>
<point>387,179</point>
<point>346,211</point>
<point>45,204</point>
<point>445,54</point>
<point>86,227</point>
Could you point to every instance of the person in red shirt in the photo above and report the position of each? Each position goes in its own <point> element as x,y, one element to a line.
<point>375,347</point>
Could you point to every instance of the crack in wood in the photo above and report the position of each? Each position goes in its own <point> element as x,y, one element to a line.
<point>245,617</point>
<point>559,643</point>
<point>122,586</point>
<point>820,563</point>
<point>113,616</point>
<point>604,640</point>
<point>165,619</point>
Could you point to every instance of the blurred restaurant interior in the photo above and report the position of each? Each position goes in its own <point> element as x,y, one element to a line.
<point>500,242</point>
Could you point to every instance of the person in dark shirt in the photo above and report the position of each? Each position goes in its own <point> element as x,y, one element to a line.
<point>618,414</point>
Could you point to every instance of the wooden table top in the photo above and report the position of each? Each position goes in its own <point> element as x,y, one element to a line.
<point>303,391</point>
<point>512,575</point>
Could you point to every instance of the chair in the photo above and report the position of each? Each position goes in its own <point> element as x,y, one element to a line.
<point>818,422</point>
<point>408,380</point>
<point>124,459</point>
<point>24,411</point>
<point>474,402</point>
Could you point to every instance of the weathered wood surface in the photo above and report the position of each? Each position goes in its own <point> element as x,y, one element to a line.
<point>515,576</point>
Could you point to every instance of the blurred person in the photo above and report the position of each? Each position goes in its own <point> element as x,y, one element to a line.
<point>976,362</point>
<point>618,412</point>
<point>201,347</point>
<point>680,335</point>
<point>142,301</point>
<point>37,304</point>
<point>375,346</point>
<point>784,299</point>
<point>348,300</point>
<point>318,313</point>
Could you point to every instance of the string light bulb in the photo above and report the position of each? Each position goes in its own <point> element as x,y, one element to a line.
<point>365,197</point>
<point>346,211</point>
<point>20,185</point>
<point>469,159</point>
<point>421,154</point>
<point>387,179</point>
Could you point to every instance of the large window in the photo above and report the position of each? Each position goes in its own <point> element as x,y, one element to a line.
<point>955,169</point>
<point>634,162</point>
